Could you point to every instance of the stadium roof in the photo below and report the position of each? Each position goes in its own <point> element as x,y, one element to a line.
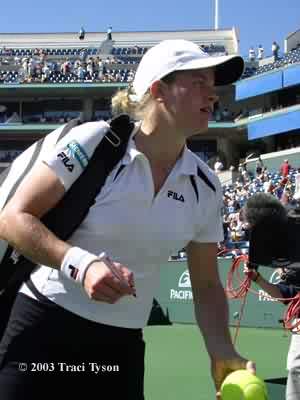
<point>226,37</point>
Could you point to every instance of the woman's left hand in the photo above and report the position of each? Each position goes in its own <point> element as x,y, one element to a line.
<point>221,367</point>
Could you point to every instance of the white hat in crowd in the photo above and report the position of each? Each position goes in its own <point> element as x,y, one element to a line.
<point>178,55</point>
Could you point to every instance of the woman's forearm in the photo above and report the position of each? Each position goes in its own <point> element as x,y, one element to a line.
<point>211,312</point>
<point>32,239</point>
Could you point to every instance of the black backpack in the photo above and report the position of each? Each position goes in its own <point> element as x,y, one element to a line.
<point>67,215</point>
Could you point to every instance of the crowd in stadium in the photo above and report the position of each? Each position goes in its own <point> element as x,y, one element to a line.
<point>278,61</point>
<point>283,184</point>
<point>86,64</point>
<point>37,68</point>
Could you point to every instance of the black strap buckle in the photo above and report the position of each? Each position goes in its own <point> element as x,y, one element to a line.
<point>114,140</point>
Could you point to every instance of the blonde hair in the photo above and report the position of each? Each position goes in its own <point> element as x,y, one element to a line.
<point>124,102</point>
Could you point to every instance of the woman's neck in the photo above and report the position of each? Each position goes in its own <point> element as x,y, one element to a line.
<point>160,145</point>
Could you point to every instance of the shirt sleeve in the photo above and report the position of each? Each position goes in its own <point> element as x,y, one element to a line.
<point>69,158</point>
<point>210,227</point>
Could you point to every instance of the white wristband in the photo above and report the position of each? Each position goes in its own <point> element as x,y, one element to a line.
<point>76,262</point>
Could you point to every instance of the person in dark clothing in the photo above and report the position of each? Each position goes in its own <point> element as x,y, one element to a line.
<point>81,33</point>
<point>283,290</point>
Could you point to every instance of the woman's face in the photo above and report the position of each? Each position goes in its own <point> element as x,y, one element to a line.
<point>190,100</point>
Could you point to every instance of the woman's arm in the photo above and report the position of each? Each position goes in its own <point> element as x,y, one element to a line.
<point>211,310</point>
<point>211,307</point>
<point>21,227</point>
<point>20,223</point>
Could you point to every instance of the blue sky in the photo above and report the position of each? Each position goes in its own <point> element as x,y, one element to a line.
<point>258,21</point>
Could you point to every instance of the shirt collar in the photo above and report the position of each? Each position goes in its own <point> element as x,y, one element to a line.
<point>186,164</point>
<point>132,151</point>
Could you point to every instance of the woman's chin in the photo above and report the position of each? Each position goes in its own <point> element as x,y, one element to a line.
<point>200,129</point>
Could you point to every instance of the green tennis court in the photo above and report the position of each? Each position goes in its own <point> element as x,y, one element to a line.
<point>177,366</point>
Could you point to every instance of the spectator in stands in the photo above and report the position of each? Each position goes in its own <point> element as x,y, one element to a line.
<point>25,61</point>
<point>90,68</point>
<point>259,166</point>
<point>226,225</point>
<point>243,172</point>
<point>267,182</point>
<point>286,196</point>
<point>236,230</point>
<point>218,167</point>
<point>31,69</point>
<point>81,33</point>
<point>83,54</point>
<point>3,113</point>
<point>65,67</point>
<point>252,54</point>
<point>279,189</point>
<point>285,168</point>
<point>260,52</point>
<point>109,33</point>
<point>81,72</point>
<point>42,56</point>
<point>275,50</point>
<point>101,69</point>
<point>226,115</point>
<point>297,186</point>
<point>17,60</point>
<point>94,313</point>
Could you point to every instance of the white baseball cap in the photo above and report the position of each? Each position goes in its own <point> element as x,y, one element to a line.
<point>178,55</point>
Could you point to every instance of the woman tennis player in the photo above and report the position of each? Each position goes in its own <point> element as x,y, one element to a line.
<point>90,297</point>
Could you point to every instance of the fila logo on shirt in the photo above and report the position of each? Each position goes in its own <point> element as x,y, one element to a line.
<point>175,196</point>
<point>66,161</point>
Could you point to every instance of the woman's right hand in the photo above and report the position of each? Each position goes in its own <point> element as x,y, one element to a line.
<point>101,283</point>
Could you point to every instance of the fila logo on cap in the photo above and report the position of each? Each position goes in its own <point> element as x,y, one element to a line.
<point>175,196</point>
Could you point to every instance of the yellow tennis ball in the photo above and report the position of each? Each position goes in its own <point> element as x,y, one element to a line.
<point>242,385</point>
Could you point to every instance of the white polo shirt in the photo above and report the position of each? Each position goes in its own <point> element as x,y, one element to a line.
<point>131,225</point>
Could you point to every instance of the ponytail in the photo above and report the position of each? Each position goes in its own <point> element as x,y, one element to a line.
<point>125,101</point>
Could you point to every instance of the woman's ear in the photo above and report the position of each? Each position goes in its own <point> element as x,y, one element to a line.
<point>158,90</point>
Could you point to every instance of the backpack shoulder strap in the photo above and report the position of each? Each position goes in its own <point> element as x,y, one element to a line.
<point>74,206</point>
<point>68,214</point>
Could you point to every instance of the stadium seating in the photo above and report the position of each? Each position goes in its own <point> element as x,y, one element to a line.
<point>46,51</point>
<point>291,57</point>
<point>116,63</point>
<point>12,59</point>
